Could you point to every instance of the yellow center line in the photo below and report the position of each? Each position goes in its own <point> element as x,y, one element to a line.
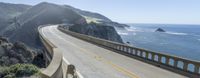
<point>99,58</point>
<point>118,68</point>
<point>132,75</point>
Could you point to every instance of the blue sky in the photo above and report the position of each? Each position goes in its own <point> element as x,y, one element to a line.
<point>136,11</point>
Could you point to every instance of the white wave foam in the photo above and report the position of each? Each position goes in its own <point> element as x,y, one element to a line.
<point>122,33</point>
<point>131,29</point>
<point>176,33</point>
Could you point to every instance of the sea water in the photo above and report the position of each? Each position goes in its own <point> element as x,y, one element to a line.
<point>179,40</point>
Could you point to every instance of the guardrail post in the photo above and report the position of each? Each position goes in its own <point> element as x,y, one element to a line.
<point>136,52</point>
<point>153,56</point>
<point>128,49</point>
<point>115,47</point>
<point>118,47</point>
<point>131,50</point>
<point>185,65</point>
<point>175,63</point>
<point>147,55</point>
<point>125,49</point>
<point>122,48</point>
<point>196,69</point>
<point>167,60</point>
<point>159,58</point>
<point>140,53</point>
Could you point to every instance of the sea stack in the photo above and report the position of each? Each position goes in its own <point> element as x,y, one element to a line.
<point>160,30</point>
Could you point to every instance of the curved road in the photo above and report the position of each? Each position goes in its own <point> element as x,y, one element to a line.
<point>96,62</point>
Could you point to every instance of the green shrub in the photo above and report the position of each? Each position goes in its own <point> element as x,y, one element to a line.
<point>19,70</point>
<point>11,75</point>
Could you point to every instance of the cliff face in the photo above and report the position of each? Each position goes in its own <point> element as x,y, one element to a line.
<point>97,30</point>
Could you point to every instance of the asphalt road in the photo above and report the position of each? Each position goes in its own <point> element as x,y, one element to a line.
<point>92,61</point>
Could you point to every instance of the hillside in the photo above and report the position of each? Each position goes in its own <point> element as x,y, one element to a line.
<point>44,13</point>
<point>18,53</point>
<point>97,30</point>
<point>88,14</point>
<point>98,18</point>
<point>9,11</point>
<point>24,26</point>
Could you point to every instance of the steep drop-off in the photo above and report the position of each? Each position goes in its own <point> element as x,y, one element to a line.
<point>97,30</point>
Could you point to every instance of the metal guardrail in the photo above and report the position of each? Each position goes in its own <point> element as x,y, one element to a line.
<point>175,64</point>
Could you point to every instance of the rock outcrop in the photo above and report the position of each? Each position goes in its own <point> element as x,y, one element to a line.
<point>97,30</point>
<point>160,30</point>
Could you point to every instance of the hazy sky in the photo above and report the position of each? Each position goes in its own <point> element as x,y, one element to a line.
<point>136,11</point>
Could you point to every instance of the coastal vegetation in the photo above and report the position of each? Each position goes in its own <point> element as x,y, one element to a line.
<point>19,70</point>
<point>18,60</point>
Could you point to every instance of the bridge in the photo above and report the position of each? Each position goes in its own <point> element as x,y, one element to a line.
<point>98,58</point>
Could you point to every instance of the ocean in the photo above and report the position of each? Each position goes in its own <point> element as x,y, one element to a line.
<point>179,40</point>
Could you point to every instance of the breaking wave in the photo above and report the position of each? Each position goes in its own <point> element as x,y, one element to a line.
<point>176,33</point>
<point>122,33</point>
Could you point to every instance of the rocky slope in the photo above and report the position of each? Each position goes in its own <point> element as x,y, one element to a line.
<point>18,53</point>
<point>97,30</point>
<point>25,29</point>
<point>9,11</point>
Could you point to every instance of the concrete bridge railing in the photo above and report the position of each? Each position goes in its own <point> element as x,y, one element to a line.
<point>175,64</point>
<point>57,67</point>
<point>54,69</point>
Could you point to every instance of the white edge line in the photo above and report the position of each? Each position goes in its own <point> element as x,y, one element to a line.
<point>43,32</point>
<point>66,61</point>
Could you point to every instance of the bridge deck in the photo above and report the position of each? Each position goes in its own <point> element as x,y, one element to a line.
<point>96,62</point>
